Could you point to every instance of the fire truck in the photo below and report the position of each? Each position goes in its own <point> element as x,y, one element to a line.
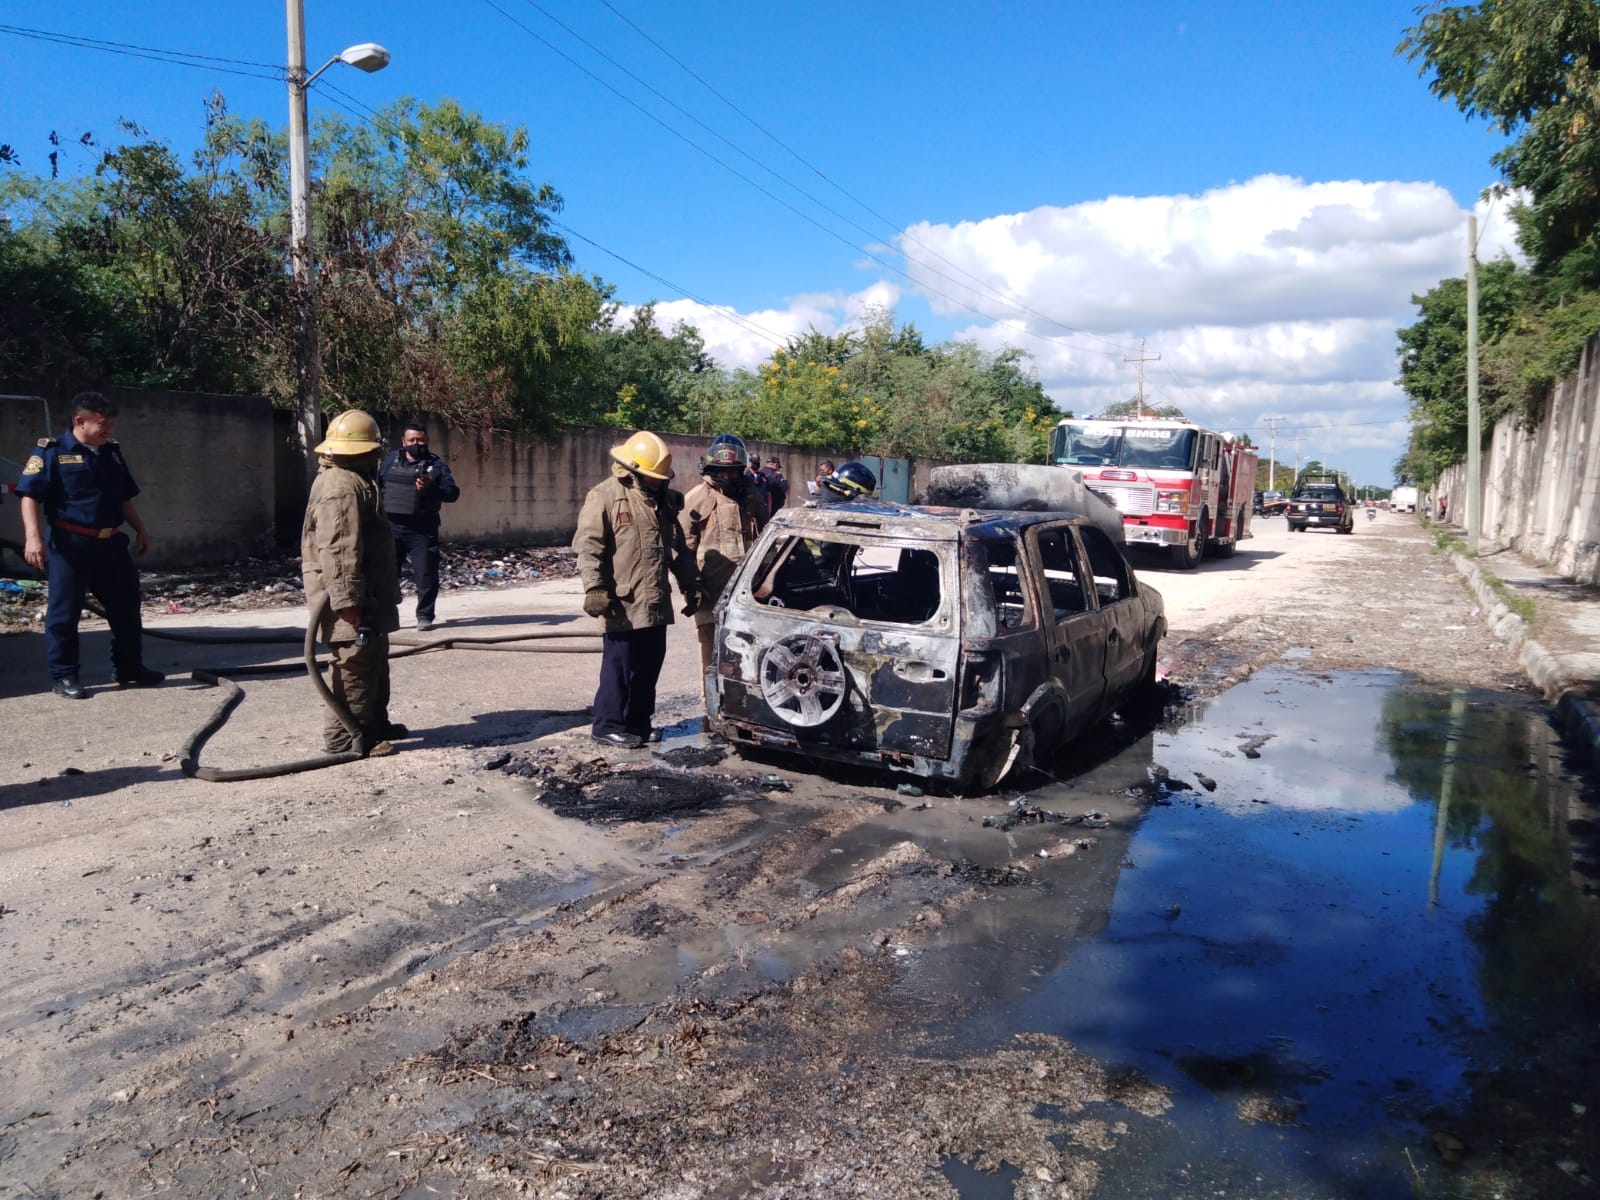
<point>1176,485</point>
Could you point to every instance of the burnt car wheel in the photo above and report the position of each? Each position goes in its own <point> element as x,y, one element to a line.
<point>803,679</point>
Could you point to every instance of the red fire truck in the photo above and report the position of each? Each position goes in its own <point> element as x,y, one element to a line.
<point>1176,485</point>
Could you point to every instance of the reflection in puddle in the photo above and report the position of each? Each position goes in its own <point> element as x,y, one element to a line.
<point>1322,954</point>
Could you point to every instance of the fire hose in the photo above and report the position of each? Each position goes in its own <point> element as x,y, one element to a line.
<point>545,641</point>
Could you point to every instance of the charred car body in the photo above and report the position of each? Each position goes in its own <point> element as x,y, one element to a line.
<point>951,643</point>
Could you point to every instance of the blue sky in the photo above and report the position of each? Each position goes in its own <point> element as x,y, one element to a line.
<point>1256,189</point>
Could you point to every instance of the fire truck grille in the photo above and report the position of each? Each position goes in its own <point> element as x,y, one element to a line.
<point>1132,499</point>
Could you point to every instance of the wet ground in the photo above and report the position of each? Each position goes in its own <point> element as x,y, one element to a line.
<point>1329,935</point>
<point>1356,937</point>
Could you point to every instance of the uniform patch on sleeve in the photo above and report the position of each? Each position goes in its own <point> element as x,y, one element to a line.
<point>33,466</point>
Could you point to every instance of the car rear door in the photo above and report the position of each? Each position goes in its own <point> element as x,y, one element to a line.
<point>1116,595</point>
<point>1078,630</point>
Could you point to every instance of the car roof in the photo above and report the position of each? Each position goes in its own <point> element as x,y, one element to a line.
<point>929,522</point>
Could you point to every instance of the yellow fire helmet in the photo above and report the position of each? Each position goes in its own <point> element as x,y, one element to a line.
<point>645,453</point>
<point>351,432</point>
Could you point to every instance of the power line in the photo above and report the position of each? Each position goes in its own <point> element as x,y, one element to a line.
<point>372,117</point>
<point>898,227</point>
<point>765,191</point>
<point>179,58</point>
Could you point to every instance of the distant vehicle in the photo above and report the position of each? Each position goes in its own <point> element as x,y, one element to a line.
<point>1319,502</point>
<point>1178,487</point>
<point>1271,504</point>
<point>1403,499</point>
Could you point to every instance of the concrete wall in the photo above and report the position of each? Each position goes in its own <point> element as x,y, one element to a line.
<point>221,476</point>
<point>204,465</point>
<point>1541,485</point>
<point>525,490</point>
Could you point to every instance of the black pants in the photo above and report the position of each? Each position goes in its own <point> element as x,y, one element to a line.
<point>630,665</point>
<point>79,567</point>
<point>421,545</point>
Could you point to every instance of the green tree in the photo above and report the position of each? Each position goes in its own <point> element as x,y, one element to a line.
<point>1531,68</point>
<point>644,378</point>
<point>1433,363</point>
<point>1133,406</point>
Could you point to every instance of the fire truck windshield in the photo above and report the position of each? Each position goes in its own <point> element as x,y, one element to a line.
<point>1148,446</point>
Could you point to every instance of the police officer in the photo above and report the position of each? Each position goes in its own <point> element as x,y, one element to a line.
<point>721,518</point>
<point>628,540</point>
<point>347,558</point>
<point>777,485</point>
<point>415,484</point>
<point>78,486</point>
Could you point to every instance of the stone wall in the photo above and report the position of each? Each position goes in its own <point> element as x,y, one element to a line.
<point>204,465</point>
<point>1541,485</point>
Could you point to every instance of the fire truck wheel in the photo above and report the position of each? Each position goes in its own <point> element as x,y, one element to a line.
<point>1187,556</point>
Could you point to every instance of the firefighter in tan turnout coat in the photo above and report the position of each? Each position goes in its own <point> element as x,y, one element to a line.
<point>721,518</point>
<point>347,557</point>
<point>628,541</point>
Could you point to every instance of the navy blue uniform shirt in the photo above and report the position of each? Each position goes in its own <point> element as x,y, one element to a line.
<point>79,484</point>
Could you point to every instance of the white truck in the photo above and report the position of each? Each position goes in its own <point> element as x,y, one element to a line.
<point>1403,499</point>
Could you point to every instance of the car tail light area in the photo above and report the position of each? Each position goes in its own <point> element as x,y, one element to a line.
<point>982,680</point>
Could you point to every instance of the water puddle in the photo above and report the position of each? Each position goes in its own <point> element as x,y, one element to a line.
<point>1357,899</point>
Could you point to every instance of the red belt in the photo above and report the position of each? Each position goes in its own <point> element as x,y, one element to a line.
<point>86,530</point>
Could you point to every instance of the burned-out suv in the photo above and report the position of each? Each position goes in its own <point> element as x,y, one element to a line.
<point>1319,502</point>
<point>950,643</point>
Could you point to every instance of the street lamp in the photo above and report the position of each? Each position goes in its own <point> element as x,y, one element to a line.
<point>367,56</point>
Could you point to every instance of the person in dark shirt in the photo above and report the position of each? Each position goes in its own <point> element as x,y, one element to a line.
<point>416,483</point>
<point>77,493</point>
<point>777,485</point>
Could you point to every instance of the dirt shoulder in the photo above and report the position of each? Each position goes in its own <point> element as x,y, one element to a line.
<point>414,972</point>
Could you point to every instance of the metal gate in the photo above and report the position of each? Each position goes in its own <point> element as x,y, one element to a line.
<point>894,477</point>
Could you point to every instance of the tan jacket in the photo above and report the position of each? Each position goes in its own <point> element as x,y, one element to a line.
<point>347,553</point>
<point>627,542</point>
<point>718,529</point>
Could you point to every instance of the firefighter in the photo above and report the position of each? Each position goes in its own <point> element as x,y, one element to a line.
<point>721,518</point>
<point>347,556</point>
<point>848,482</point>
<point>628,541</point>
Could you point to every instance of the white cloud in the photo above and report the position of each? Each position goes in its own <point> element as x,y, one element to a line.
<point>1271,296</point>
<point>1274,296</point>
<point>738,339</point>
<point>1269,249</point>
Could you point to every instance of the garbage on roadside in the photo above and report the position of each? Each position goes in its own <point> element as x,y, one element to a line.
<point>273,581</point>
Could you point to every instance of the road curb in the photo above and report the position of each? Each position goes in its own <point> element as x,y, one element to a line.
<point>1578,715</point>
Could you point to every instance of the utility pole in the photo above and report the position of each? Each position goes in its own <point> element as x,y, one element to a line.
<point>307,360</point>
<point>1141,360</point>
<point>1474,413</point>
<point>1272,453</point>
<point>369,57</point>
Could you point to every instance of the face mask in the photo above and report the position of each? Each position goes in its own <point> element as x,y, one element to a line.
<point>362,464</point>
<point>415,453</point>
